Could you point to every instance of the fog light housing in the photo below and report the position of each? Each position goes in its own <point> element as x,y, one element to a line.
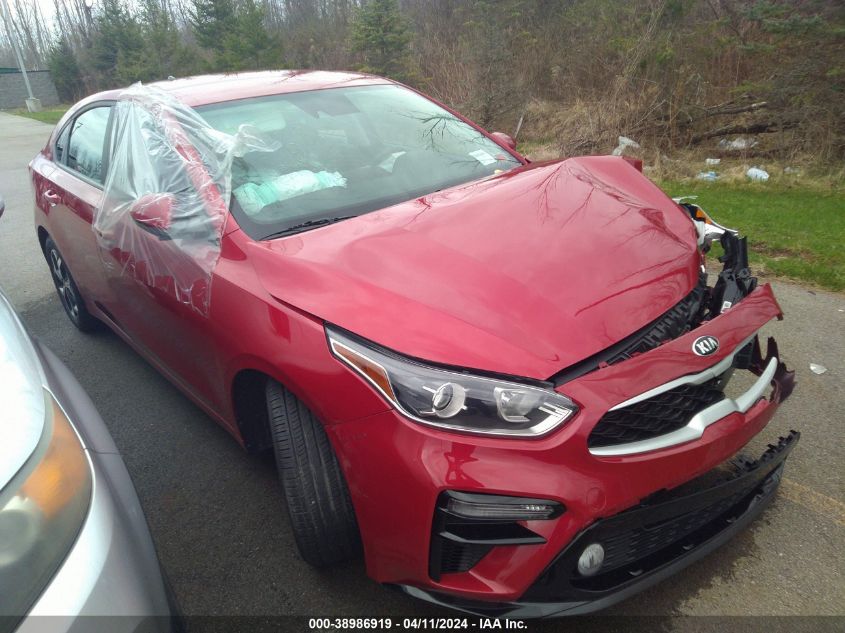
<point>501,508</point>
<point>591,559</point>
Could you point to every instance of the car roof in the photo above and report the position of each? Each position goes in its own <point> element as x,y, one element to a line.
<point>206,89</point>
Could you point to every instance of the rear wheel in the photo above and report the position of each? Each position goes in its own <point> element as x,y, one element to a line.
<point>318,500</point>
<point>69,294</point>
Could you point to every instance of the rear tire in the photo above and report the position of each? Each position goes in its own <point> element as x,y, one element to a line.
<point>69,295</point>
<point>318,500</point>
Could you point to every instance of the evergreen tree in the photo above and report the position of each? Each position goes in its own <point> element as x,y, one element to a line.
<point>64,68</point>
<point>214,22</point>
<point>380,35</point>
<point>249,46</point>
<point>164,52</point>
<point>117,45</point>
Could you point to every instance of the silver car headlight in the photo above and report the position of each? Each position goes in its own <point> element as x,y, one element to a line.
<point>44,502</point>
<point>452,399</point>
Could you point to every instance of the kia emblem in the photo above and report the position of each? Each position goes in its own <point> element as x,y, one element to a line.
<point>705,345</point>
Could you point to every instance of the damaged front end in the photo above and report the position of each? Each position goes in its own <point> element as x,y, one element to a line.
<point>735,281</point>
<point>703,303</point>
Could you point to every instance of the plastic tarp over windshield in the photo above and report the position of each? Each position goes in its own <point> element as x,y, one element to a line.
<point>166,195</point>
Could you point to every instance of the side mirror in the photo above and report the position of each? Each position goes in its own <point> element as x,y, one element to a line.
<point>2,206</point>
<point>505,139</point>
<point>154,213</point>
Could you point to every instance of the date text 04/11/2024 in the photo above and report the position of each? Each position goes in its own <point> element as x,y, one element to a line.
<point>415,624</point>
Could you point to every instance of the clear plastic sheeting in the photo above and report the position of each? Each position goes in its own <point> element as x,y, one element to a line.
<point>166,194</point>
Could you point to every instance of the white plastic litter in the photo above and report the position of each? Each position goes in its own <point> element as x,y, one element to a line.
<point>712,161</point>
<point>708,176</point>
<point>738,144</point>
<point>817,369</point>
<point>755,174</point>
<point>625,143</point>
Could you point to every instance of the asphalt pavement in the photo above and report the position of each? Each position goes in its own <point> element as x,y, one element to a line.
<point>217,515</point>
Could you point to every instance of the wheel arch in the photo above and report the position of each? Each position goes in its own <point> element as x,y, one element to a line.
<point>42,237</point>
<point>249,376</point>
<point>249,405</point>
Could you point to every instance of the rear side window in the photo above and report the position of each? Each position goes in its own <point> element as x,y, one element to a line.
<point>87,137</point>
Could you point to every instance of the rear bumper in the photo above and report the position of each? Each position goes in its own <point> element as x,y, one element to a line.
<point>670,534</point>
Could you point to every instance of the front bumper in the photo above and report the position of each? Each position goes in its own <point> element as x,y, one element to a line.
<point>644,545</point>
<point>397,469</point>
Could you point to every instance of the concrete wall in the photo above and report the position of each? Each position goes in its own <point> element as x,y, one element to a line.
<point>13,90</point>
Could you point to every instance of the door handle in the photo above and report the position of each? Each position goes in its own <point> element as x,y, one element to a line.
<point>52,197</point>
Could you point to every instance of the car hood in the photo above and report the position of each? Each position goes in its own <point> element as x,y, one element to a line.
<point>524,273</point>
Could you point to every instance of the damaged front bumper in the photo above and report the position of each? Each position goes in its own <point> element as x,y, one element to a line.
<point>642,545</point>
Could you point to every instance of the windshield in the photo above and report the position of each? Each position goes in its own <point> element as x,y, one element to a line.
<point>342,152</point>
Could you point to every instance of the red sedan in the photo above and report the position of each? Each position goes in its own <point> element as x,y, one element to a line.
<point>505,382</point>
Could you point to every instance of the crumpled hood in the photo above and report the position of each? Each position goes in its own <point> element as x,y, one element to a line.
<point>524,273</point>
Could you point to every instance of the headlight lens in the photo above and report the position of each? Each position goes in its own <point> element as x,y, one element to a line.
<point>451,399</point>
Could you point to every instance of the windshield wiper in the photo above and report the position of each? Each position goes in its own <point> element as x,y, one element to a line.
<point>304,226</point>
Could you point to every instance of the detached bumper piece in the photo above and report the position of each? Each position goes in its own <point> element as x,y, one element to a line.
<point>645,544</point>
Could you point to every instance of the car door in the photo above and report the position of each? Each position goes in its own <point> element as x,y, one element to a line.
<point>69,188</point>
<point>157,263</point>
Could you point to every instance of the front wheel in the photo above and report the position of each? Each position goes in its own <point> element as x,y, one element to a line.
<point>319,505</point>
<point>69,294</point>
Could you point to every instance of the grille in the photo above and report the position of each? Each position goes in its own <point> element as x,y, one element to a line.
<point>661,414</point>
<point>680,319</point>
<point>629,547</point>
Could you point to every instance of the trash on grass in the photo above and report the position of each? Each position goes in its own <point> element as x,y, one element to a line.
<point>738,144</point>
<point>712,161</point>
<point>625,143</point>
<point>817,369</point>
<point>757,175</point>
<point>707,176</point>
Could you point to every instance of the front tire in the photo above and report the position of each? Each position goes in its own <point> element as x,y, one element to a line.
<point>319,505</point>
<point>68,292</point>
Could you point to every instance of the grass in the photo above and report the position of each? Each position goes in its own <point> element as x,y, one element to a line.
<point>49,115</point>
<point>796,232</point>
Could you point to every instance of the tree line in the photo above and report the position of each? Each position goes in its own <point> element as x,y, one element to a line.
<point>577,72</point>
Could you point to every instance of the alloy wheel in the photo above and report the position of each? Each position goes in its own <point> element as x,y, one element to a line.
<point>64,285</point>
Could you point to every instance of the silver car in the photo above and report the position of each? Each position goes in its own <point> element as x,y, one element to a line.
<point>73,538</point>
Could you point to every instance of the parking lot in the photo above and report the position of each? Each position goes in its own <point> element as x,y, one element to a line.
<point>217,515</point>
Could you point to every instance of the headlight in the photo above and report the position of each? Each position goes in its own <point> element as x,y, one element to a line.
<point>452,399</point>
<point>706,228</point>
